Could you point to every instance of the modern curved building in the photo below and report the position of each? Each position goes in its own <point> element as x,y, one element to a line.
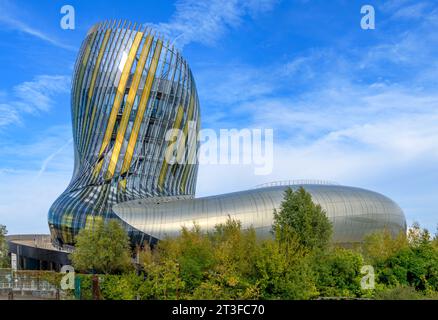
<point>130,89</point>
<point>354,212</point>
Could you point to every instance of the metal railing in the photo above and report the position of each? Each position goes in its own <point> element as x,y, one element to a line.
<point>296,183</point>
<point>24,281</point>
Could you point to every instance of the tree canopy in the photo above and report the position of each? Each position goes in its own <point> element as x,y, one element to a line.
<point>301,218</point>
<point>230,262</point>
<point>4,258</point>
<point>104,248</point>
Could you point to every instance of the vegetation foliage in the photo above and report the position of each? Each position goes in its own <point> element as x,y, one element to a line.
<point>297,262</point>
<point>4,258</point>
<point>104,248</point>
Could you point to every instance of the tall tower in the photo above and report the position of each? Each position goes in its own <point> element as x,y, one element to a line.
<point>134,106</point>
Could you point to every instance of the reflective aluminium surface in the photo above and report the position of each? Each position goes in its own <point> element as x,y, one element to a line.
<point>354,212</point>
<point>129,88</point>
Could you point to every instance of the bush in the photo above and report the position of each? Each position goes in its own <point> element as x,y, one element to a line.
<point>306,221</point>
<point>398,293</point>
<point>337,272</point>
<point>284,272</point>
<point>105,248</point>
<point>121,287</point>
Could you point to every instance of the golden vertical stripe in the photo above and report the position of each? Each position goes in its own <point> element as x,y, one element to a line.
<point>93,78</point>
<point>190,152</point>
<point>168,151</point>
<point>128,107</point>
<point>116,40</point>
<point>187,169</point>
<point>185,130</point>
<point>87,76</point>
<point>84,63</point>
<point>118,100</point>
<point>141,110</point>
<point>192,160</point>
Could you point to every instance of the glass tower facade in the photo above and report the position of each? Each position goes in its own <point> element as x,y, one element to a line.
<point>130,87</point>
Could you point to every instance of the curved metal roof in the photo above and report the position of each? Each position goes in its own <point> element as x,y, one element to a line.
<point>354,212</point>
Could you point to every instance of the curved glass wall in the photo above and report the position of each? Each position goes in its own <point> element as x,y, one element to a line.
<point>129,88</point>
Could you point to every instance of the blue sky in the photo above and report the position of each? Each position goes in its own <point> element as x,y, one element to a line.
<point>355,106</point>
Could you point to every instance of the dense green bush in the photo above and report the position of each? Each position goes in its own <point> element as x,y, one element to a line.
<point>337,272</point>
<point>406,261</point>
<point>398,293</point>
<point>298,262</point>
<point>102,248</point>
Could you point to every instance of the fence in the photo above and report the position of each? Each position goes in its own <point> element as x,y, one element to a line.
<point>296,183</point>
<point>43,284</point>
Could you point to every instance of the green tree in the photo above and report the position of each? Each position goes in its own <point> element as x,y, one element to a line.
<point>234,273</point>
<point>284,271</point>
<point>4,257</point>
<point>435,239</point>
<point>337,272</point>
<point>216,265</point>
<point>381,245</point>
<point>121,287</point>
<point>404,262</point>
<point>301,218</point>
<point>417,235</point>
<point>104,249</point>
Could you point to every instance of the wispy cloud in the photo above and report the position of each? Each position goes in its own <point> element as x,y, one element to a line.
<point>8,115</point>
<point>9,21</point>
<point>32,176</point>
<point>53,155</point>
<point>413,11</point>
<point>31,97</point>
<point>207,21</point>
<point>361,116</point>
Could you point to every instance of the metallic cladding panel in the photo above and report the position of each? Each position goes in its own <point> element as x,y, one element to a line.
<point>127,88</point>
<point>354,212</point>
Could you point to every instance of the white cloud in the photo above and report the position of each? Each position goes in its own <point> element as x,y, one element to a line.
<point>8,20</point>
<point>360,117</point>
<point>412,11</point>
<point>234,83</point>
<point>31,97</point>
<point>207,21</point>
<point>8,115</point>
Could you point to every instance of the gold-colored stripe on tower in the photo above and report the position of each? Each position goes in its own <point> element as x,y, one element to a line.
<point>96,107</point>
<point>140,112</point>
<point>184,141</point>
<point>169,151</point>
<point>93,79</point>
<point>128,107</point>
<point>86,82</point>
<point>82,68</point>
<point>191,142</point>
<point>118,100</point>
